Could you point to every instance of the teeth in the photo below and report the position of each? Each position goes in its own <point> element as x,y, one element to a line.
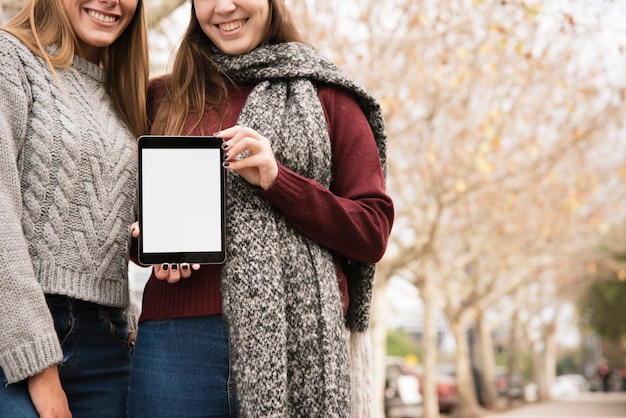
<point>232,25</point>
<point>101,17</point>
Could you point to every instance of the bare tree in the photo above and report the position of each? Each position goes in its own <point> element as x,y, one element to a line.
<point>494,114</point>
<point>503,120</point>
<point>9,9</point>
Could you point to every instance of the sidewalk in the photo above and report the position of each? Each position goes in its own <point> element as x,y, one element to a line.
<point>586,405</point>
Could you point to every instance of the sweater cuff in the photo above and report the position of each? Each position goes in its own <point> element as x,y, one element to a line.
<point>29,359</point>
<point>286,188</point>
<point>132,316</point>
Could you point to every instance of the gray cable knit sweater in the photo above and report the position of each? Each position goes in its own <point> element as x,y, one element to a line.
<point>67,187</point>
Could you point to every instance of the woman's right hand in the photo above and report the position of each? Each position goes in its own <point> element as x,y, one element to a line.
<point>258,167</point>
<point>171,273</point>
<point>47,394</point>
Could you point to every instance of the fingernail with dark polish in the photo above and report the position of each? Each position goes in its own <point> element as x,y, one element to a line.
<point>226,155</point>
<point>185,267</point>
<point>165,266</point>
<point>217,133</point>
<point>225,164</point>
<point>225,145</point>
<point>174,267</point>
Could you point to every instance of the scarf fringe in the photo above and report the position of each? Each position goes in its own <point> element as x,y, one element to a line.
<point>360,354</point>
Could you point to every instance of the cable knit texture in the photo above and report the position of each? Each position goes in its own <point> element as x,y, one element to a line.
<point>66,195</point>
<point>283,308</point>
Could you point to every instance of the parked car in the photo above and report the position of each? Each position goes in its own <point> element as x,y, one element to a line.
<point>568,385</point>
<point>509,384</point>
<point>447,389</point>
<point>402,393</point>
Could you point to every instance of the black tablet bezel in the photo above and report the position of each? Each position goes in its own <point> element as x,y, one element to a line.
<point>180,142</point>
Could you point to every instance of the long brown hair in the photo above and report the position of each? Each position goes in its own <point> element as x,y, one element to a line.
<point>41,23</point>
<point>195,83</point>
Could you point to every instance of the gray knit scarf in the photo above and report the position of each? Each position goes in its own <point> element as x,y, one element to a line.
<point>280,293</point>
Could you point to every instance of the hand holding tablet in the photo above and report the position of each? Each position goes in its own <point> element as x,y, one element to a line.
<point>181,187</point>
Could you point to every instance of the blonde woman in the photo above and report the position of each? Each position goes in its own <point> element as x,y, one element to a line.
<point>72,102</point>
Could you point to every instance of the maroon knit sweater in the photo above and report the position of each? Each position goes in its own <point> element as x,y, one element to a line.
<point>352,219</point>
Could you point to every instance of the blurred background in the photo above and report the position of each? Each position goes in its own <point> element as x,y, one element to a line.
<point>505,278</point>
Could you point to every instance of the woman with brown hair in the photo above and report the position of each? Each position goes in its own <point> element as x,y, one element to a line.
<point>265,334</point>
<point>72,102</point>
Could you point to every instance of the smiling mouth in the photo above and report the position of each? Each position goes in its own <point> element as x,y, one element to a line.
<point>231,26</point>
<point>101,18</point>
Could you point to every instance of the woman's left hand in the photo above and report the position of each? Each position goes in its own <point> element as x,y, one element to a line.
<point>170,272</point>
<point>258,166</point>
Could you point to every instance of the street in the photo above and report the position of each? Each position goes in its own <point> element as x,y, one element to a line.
<point>585,405</point>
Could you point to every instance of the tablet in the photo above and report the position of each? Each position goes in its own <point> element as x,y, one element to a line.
<point>181,200</point>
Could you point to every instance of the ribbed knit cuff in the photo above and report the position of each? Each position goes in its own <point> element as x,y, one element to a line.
<point>286,187</point>
<point>132,316</point>
<point>29,359</point>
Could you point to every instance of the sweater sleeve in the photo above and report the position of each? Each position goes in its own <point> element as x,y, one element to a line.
<point>354,216</point>
<point>29,342</point>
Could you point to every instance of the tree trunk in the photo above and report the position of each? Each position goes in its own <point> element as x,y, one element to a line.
<point>158,9</point>
<point>488,358</point>
<point>9,9</point>
<point>469,407</point>
<point>540,371</point>
<point>378,333</point>
<point>544,355</point>
<point>550,356</point>
<point>430,353</point>
<point>513,350</point>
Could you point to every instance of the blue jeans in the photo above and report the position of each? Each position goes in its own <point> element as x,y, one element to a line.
<point>181,369</point>
<point>96,362</point>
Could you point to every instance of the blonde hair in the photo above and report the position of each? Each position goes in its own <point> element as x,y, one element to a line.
<point>41,23</point>
<point>196,84</point>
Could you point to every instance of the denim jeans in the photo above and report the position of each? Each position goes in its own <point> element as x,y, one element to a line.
<point>181,369</point>
<point>96,362</point>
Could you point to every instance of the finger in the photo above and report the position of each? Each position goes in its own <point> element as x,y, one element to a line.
<point>174,275</point>
<point>240,139</point>
<point>185,271</point>
<point>227,136</point>
<point>228,132</point>
<point>259,170</point>
<point>237,148</point>
<point>161,271</point>
<point>134,229</point>
<point>245,151</point>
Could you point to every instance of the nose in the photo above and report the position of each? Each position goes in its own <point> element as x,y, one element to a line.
<point>224,6</point>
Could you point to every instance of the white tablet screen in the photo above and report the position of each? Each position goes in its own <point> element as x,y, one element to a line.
<point>181,200</point>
